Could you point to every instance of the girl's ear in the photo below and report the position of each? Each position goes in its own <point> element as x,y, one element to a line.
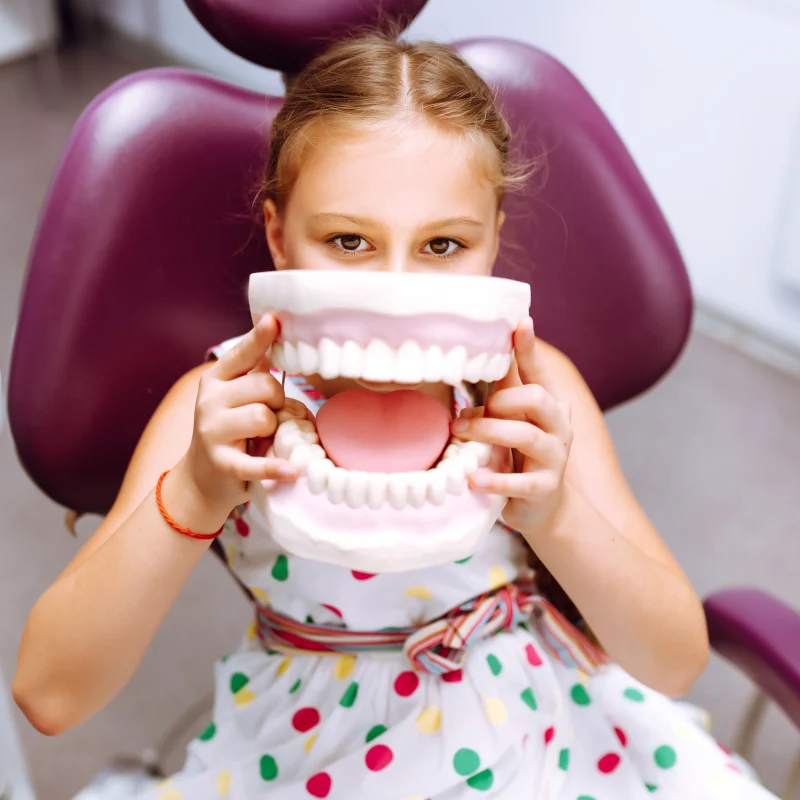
<point>273,227</point>
<point>501,218</point>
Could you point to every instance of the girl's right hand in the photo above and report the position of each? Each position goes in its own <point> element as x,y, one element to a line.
<point>237,401</point>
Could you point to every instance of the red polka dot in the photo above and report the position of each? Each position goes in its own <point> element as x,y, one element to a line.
<point>549,734</point>
<point>406,683</point>
<point>534,659</point>
<point>608,763</point>
<point>319,785</point>
<point>363,576</point>
<point>525,739</point>
<point>242,528</point>
<point>305,719</point>
<point>453,677</point>
<point>623,739</point>
<point>734,767</point>
<point>725,749</point>
<point>379,757</point>
<point>333,610</point>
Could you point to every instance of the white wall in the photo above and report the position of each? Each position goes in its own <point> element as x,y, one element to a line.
<point>706,94</point>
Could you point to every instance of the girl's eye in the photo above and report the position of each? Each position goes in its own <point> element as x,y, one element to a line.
<point>350,242</point>
<point>440,247</point>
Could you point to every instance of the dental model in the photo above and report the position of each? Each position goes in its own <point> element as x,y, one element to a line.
<point>383,486</point>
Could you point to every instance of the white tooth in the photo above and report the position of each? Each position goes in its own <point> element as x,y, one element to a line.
<point>417,488</point>
<point>352,360</point>
<point>290,359</point>
<point>469,461</point>
<point>434,364</point>
<point>398,490</point>
<point>451,451</point>
<point>410,364</point>
<point>497,367</point>
<point>454,363</point>
<point>337,480</point>
<point>481,450</point>
<point>308,358</point>
<point>318,472</point>
<point>287,437</point>
<point>454,473</point>
<point>437,486</point>
<point>377,486</point>
<point>355,493</point>
<point>304,454</point>
<point>276,357</point>
<point>329,356</point>
<point>476,368</point>
<point>378,362</point>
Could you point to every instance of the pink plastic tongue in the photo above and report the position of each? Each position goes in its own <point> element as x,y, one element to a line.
<point>400,431</point>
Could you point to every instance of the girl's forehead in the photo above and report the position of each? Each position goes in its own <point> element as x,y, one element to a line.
<point>416,166</point>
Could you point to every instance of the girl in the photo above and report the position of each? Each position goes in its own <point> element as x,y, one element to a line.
<point>392,156</point>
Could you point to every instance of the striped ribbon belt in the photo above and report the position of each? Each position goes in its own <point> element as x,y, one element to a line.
<point>440,646</point>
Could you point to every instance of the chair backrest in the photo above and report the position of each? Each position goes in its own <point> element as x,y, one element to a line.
<point>147,237</point>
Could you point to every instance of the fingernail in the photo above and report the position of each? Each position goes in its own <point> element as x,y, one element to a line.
<point>528,324</point>
<point>480,480</point>
<point>287,471</point>
<point>460,425</point>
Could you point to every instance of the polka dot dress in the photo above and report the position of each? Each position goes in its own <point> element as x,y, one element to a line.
<point>514,723</point>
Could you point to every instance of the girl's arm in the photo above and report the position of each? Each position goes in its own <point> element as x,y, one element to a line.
<point>87,633</point>
<point>573,505</point>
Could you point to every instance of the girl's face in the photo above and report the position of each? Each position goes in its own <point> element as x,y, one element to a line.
<point>408,201</point>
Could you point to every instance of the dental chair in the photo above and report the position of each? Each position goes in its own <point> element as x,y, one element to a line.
<point>147,238</point>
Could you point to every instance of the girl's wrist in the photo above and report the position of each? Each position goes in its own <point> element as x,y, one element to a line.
<point>188,504</point>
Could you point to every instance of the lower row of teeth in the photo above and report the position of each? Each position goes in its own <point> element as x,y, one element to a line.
<point>298,442</point>
<point>380,362</point>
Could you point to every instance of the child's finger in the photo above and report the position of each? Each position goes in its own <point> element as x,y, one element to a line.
<point>528,439</point>
<point>529,486</point>
<point>247,353</point>
<point>249,468</point>
<point>533,403</point>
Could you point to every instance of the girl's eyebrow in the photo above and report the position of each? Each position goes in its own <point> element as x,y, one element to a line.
<point>367,222</point>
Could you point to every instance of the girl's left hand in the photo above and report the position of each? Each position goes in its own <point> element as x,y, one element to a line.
<point>525,414</point>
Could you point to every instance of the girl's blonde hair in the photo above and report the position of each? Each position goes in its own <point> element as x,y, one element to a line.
<point>377,82</point>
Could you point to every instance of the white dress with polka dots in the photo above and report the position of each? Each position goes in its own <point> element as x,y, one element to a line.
<point>513,723</point>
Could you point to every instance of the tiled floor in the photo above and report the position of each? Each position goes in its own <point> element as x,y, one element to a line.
<point>713,453</point>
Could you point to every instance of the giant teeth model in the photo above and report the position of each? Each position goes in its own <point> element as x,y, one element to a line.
<point>402,328</point>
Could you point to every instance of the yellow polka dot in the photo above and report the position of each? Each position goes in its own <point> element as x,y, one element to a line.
<point>310,742</point>
<point>495,710</point>
<point>231,553</point>
<point>497,577</point>
<point>224,780</point>
<point>685,731</point>
<point>169,794</point>
<point>251,631</point>
<point>344,667</point>
<point>430,720</point>
<point>420,592</point>
<point>243,697</point>
<point>284,665</point>
<point>260,595</point>
<point>164,782</point>
<point>583,677</point>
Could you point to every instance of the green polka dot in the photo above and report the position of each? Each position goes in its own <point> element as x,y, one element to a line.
<point>463,560</point>
<point>349,697</point>
<point>585,797</point>
<point>635,695</point>
<point>665,757</point>
<point>309,619</point>
<point>238,681</point>
<point>563,759</point>
<point>295,686</point>
<point>375,731</point>
<point>224,659</point>
<point>528,698</point>
<point>281,569</point>
<point>494,664</point>
<point>466,761</point>
<point>482,781</point>
<point>651,787</point>
<point>579,695</point>
<point>208,733</point>
<point>269,768</point>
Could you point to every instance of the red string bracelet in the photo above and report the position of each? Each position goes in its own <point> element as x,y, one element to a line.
<point>172,523</point>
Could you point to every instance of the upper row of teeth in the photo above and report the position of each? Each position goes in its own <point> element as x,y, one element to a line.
<point>381,363</point>
<point>297,441</point>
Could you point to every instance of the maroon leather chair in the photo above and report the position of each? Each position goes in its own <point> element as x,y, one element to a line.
<point>147,238</point>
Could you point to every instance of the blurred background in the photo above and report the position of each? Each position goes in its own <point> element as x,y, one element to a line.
<point>705,94</point>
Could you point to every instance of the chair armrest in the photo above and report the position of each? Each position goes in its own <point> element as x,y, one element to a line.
<point>761,636</point>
